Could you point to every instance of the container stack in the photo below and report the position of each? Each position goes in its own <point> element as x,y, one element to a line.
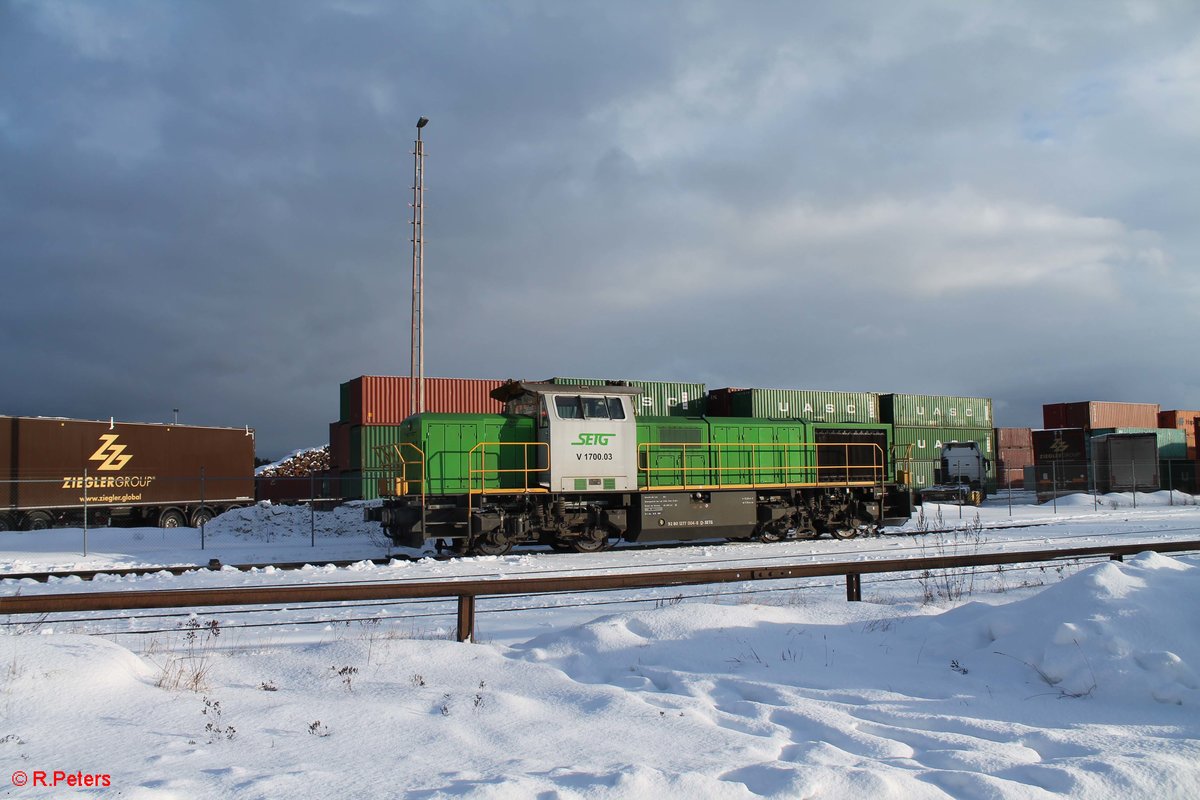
<point>1014,453</point>
<point>1184,421</point>
<point>372,408</point>
<point>804,404</point>
<point>922,424</point>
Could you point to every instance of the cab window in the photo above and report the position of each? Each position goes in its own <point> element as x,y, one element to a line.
<point>567,407</point>
<point>615,409</point>
<point>595,408</point>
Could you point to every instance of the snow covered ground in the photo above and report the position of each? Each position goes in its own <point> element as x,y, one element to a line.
<point>1079,681</point>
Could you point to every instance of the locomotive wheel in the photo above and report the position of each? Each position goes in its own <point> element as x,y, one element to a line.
<point>591,542</point>
<point>844,533</point>
<point>491,545</point>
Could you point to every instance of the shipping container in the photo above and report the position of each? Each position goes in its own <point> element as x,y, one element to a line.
<point>720,401</point>
<point>1014,439</point>
<point>918,450</point>
<point>1015,459</point>
<point>805,404</point>
<point>1184,421</point>
<point>365,444</point>
<point>1126,462</point>
<point>1010,477</point>
<point>941,411</point>
<point>155,473</point>
<point>1178,474</point>
<point>339,445</point>
<point>385,400</point>
<point>1054,416</point>
<point>1093,414</point>
<point>1171,442</point>
<point>1062,461</point>
<point>658,398</point>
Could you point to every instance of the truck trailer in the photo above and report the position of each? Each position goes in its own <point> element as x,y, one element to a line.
<point>57,472</point>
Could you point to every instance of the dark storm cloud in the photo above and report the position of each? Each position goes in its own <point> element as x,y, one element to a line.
<point>204,205</point>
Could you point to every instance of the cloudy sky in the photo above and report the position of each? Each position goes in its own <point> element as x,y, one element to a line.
<point>204,205</point>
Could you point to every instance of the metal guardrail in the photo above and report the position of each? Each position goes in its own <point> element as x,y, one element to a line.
<point>467,591</point>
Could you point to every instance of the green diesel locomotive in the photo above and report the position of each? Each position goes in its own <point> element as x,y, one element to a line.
<point>571,467</point>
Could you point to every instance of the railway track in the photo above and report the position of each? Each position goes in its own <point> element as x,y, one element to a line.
<point>215,565</point>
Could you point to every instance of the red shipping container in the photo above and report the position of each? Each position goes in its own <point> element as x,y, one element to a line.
<point>1054,415</point>
<point>1092,414</point>
<point>384,399</point>
<point>1015,457</point>
<point>1010,478</point>
<point>1014,439</point>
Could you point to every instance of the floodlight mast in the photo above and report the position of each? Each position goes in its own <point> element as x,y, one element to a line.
<point>416,365</point>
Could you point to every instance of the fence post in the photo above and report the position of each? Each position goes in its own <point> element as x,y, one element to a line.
<point>1054,484</point>
<point>1008,481</point>
<point>85,514</point>
<point>466,617</point>
<point>312,507</point>
<point>202,504</point>
<point>1133,473</point>
<point>1170,485</point>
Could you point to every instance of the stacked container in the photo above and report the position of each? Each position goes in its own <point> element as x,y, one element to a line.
<point>1014,452</point>
<point>1184,421</point>
<point>923,424</point>
<point>372,410</point>
<point>1094,414</point>
<point>805,404</point>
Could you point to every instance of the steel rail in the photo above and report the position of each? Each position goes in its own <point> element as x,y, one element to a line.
<point>466,591</point>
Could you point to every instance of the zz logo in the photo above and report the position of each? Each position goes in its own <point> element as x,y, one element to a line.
<point>109,453</point>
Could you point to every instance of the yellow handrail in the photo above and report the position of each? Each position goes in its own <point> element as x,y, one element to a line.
<point>718,454</point>
<point>484,473</point>
<point>394,464</point>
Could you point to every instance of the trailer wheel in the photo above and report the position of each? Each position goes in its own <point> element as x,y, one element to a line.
<point>171,519</point>
<point>6,523</point>
<point>202,516</point>
<point>37,521</point>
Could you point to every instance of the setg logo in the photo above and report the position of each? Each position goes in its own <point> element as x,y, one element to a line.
<point>589,439</point>
<point>110,454</point>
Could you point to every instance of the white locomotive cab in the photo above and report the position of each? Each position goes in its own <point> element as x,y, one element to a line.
<point>591,438</point>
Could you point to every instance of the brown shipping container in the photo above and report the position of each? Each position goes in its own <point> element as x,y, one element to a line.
<point>1014,439</point>
<point>339,445</point>
<point>1054,416</point>
<point>720,402</point>
<point>43,463</point>
<point>1061,459</point>
<point>1010,477</point>
<point>1015,458</point>
<point>1094,414</point>
<point>384,399</point>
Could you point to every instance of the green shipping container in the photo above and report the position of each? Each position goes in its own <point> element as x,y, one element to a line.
<point>937,411</point>
<point>922,447</point>
<point>364,439</point>
<point>1172,442</point>
<point>806,405</point>
<point>658,398</point>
